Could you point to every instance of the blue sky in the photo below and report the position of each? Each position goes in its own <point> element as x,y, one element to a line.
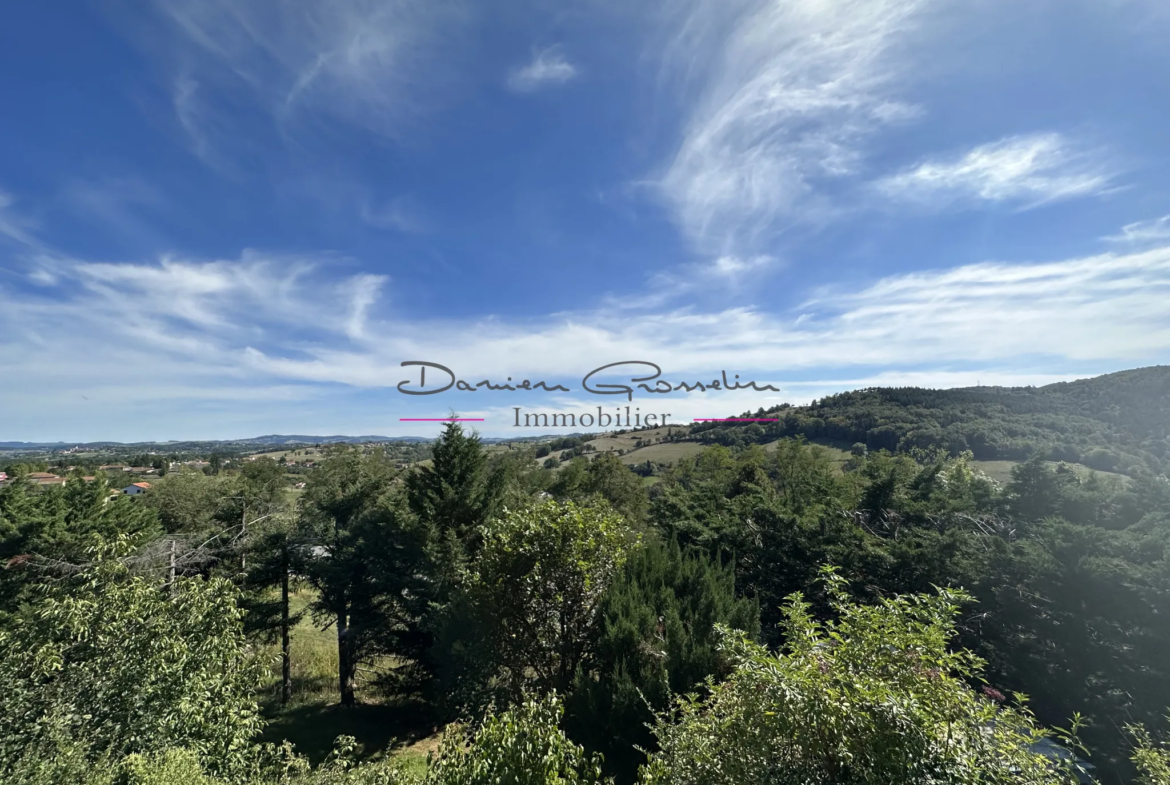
<point>222,218</point>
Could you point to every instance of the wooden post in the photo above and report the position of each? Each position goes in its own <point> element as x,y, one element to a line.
<point>243,532</point>
<point>171,584</point>
<point>345,664</point>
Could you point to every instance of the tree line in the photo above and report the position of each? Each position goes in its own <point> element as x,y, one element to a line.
<point>1116,422</point>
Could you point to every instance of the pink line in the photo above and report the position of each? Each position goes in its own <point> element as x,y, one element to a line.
<point>736,419</point>
<point>440,419</point>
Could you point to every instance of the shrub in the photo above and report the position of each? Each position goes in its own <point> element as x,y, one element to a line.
<point>874,696</point>
<point>112,662</point>
<point>522,746</point>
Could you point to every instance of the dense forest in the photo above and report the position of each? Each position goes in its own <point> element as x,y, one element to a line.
<point>754,616</point>
<point>1118,422</point>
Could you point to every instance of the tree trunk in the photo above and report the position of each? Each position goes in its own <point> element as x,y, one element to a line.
<point>346,667</point>
<point>285,659</point>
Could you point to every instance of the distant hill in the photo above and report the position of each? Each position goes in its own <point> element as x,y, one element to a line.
<point>54,445</point>
<point>275,439</point>
<point>271,440</point>
<point>1117,422</point>
<point>259,441</point>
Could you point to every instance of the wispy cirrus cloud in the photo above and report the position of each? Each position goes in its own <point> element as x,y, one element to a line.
<point>1032,170</point>
<point>402,214</point>
<point>548,68</point>
<point>373,65</point>
<point>1155,230</point>
<point>785,96</point>
<point>13,226</point>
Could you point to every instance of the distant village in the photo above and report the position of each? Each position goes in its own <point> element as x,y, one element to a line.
<point>135,474</point>
<point>47,479</point>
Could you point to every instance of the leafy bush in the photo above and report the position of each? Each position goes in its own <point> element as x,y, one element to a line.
<point>522,746</point>
<point>873,696</point>
<point>529,614</point>
<point>1151,757</point>
<point>111,661</point>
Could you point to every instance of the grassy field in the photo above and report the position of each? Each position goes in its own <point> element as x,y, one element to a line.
<point>295,455</point>
<point>668,452</point>
<point>626,441</point>
<point>1001,471</point>
<point>313,720</point>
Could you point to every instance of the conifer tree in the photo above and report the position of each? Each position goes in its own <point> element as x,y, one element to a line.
<point>657,637</point>
<point>455,496</point>
<point>366,558</point>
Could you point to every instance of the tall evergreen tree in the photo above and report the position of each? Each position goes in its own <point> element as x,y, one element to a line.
<point>340,497</point>
<point>455,495</point>
<point>271,551</point>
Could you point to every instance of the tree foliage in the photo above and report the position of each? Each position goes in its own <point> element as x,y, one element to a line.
<point>108,659</point>
<point>528,613</point>
<point>657,638</point>
<point>368,559</point>
<point>873,695</point>
<point>521,746</point>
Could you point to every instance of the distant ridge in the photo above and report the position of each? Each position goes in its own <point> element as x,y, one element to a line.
<point>271,440</point>
<point>262,441</point>
<point>280,439</point>
<point>1118,422</point>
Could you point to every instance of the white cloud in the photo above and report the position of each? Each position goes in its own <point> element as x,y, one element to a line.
<point>1143,231</point>
<point>1033,169</point>
<point>547,68</point>
<point>42,277</point>
<point>734,265</point>
<point>402,214</point>
<point>202,128</point>
<point>364,291</point>
<point>377,65</point>
<point>138,337</point>
<point>784,95</point>
<point>16,228</point>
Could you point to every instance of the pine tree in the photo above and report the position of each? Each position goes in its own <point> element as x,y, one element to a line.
<point>455,495</point>
<point>272,549</point>
<point>657,638</point>
<point>339,499</point>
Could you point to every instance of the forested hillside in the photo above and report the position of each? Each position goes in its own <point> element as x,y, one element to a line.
<point>756,615</point>
<point>1119,422</point>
